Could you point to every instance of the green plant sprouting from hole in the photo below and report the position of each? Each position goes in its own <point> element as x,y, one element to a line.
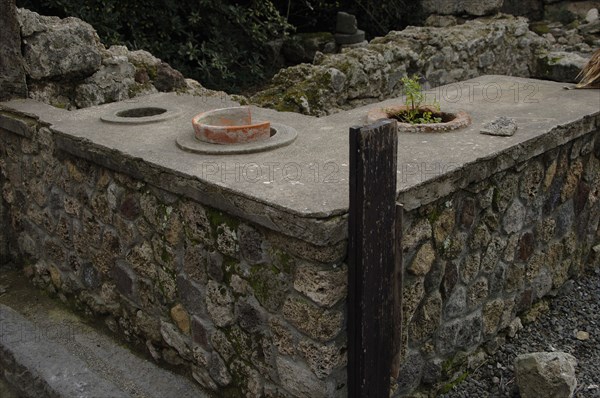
<point>415,99</point>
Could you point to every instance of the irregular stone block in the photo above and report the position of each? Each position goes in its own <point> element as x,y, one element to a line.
<point>90,276</point>
<point>423,260</point>
<point>470,267</point>
<point>250,241</point>
<point>219,304</point>
<point>176,340</point>
<point>324,286</point>
<point>457,303</point>
<point>319,324</point>
<point>590,28</point>
<point>513,219</point>
<point>462,333</point>
<point>111,83</point>
<point>427,318</point>
<point>412,294</point>
<point>250,317</point>
<point>218,370</point>
<point>200,333</point>
<point>345,23</point>
<point>282,336</point>
<point>409,376</point>
<point>181,318</point>
<point>168,79</point>
<point>194,263</point>
<point>492,314</point>
<point>323,359</point>
<point>59,47</point>
<point>559,66</point>
<point>546,374</point>
<point>501,126</point>
<point>299,380</point>
<point>124,279</point>
<point>270,287</point>
<point>191,295</point>
<point>12,72</point>
<point>478,292</point>
<point>492,254</point>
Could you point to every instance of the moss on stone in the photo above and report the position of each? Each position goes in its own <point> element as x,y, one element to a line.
<point>303,92</point>
<point>433,215</point>
<point>218,218</point>
<point>230,266</point>
<point>540,28</point>
<point>136,88</point>
<point>282,261</point>
<point>59,104</point>
<point>269,285</point>
<point>450,385</point>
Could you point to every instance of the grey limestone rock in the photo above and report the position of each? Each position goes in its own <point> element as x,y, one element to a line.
<point>55,47</point>
<point>546,374</point>
<point>502,125</point>
<point>12,71</point>
<point>559,66</point>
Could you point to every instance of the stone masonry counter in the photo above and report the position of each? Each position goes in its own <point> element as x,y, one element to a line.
<point>232,267</point>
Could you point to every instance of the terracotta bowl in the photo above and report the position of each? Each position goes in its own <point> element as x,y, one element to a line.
<point>229,126</point>
<point>451,121</point>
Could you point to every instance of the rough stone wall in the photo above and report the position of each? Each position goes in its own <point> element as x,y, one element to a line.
<point>494,45</point>
<point>247,311</point>
<point>12,71</point>
<point>68,67</point>
<point>533,9</point>
<point>244,310</point>
<point>476,259</point>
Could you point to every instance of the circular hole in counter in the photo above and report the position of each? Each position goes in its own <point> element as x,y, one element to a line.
<point>141,112</point>
<point>133,115</point>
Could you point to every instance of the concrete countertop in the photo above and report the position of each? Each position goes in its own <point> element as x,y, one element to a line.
<point>309,178</point>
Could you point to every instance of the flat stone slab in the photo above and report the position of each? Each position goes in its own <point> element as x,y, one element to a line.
<point>47,351</point>
<point>309,178</point>
<point>41,368</point>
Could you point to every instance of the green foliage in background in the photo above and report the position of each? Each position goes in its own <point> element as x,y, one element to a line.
<point>224,44</point>
<point>378,17</point>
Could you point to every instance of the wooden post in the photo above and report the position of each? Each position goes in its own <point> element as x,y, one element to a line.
<point>371,260</point>
<point>398,273</point>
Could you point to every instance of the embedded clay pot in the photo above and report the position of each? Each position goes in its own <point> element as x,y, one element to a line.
<point>229,126</point>
<point>450,121</point>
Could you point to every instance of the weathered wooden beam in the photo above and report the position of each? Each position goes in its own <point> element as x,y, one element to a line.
<point>397,295</point>
<point>371,259</point>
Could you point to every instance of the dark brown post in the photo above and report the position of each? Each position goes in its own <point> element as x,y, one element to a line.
<point>12,71</point>
<point>371,260</point>
<point>397,346</point>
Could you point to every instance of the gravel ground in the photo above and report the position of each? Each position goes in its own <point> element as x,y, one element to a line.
<point>575,309</point>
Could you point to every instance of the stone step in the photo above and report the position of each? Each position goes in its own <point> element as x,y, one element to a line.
<point>47,351</point>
